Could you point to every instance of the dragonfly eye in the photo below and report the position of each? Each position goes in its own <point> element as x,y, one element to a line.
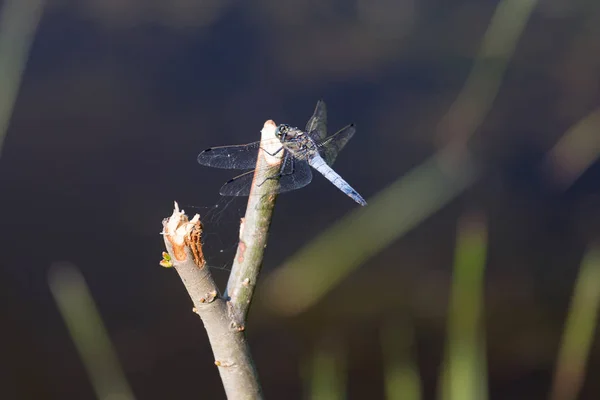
<point>282,130</point>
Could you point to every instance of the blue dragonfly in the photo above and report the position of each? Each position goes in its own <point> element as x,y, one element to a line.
<point>301,150</point>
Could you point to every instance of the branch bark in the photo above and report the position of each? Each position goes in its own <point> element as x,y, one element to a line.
<point>254,229</point>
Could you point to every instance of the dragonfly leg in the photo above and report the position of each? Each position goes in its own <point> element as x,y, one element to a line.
<point>272,154</point>
<point>293,164</point>
<point>282,172</point>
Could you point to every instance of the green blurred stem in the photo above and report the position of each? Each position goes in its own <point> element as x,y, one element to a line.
<point>576,150</point>
<point>579,330</point>
<point>464,376</point>
<point>19,20</point>
<point>78,309</point>
<point>325,370</point>
<point>477,96</point>
<point>401,374</point>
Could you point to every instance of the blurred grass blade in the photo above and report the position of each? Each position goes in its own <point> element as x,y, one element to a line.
<point>464,374</point>
<point>77,308</point>
<point>18,22</point>
<point>483,83</point>
<point>325,371</point>
<point>579,330</point>
<point>576,150</point>
<point>401,375</point>
<point>318,267</point>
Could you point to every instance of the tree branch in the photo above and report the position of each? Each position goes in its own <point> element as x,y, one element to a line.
<point>224,317</point>
<point>254,228</point>
<point>228,342</point>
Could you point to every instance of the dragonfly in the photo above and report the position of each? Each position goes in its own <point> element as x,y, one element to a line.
<point>302,149</point>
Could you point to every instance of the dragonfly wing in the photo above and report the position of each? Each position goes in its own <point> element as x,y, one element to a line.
<point>331,146</point>
<point>238,186</point>
<point>316,126</point>
<point>293,175</point>
<point>231,157</point>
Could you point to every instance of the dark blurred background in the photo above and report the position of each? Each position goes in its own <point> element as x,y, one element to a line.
<point>106,105</point>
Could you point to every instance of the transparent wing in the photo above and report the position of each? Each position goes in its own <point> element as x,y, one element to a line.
<point>296,179</point>
<point>238,186</point>
<point>294,175</point>
<point>331,146</point>
<point>241,156</point>
<point>316,126</point>
<point>230,157</point>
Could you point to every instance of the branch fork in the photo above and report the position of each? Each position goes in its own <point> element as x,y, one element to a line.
<point>224,316</point>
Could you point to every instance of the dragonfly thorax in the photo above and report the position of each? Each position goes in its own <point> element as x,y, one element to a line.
<point>296,141</point>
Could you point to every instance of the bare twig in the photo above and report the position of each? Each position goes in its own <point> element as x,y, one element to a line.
<point>253,231</point>
<point>230,349</point>
<point>224,316</point>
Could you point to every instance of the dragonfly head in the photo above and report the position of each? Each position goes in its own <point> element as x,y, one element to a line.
<point>284,131</point>
<point>281,131</point>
